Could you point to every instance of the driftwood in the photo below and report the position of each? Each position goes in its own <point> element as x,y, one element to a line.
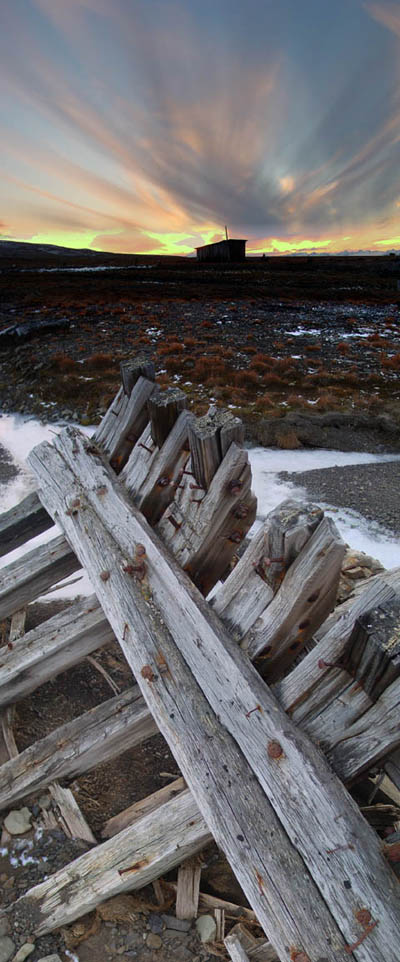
<point>79,745</point>
<point>34,573</point>
<point>227,663</point>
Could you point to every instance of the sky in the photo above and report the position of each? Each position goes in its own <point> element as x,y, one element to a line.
<point>147,125</point>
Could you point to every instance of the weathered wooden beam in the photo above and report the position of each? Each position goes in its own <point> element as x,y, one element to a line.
<point>374,657</point>
<point>53,646</point>
<point>371,737</point>
<point>153,489</point>
<point>66,814</point>
<point>392,768</point>
<point>258,730</point>
<point>210,438</point>
<point>22,522</point>
<point>33,573</point>
<point>79,745</point>
<point>235,949</point>
<point>124,422</point>
<point>240,939</point>
<point>8,745</point>
<point>146,805</point>
<point>164,409</point>
<point>305,598</point>
<point>204,529</point>
<point>151,847</point>
<point>252,584</point>
<point>188,889</point>
<point>133,368</point>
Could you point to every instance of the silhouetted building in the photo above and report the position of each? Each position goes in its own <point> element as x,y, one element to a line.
<point>225,250</point>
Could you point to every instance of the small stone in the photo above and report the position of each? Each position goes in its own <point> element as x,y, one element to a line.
<point>155,923</point>
<point>50,958</point>
<point>23,952</point>
<point>178,925</point>
<point>18,822</point>
<point>153,941</point>
<point>7,949</point>
<point>44,801</point>
<point>206,928</point>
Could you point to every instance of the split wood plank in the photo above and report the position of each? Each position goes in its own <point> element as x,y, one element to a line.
<point>304,600</point>
<point>33,573</point>
<point>210,438</point>
<point>153,489</point>
<point>8,745</point>
<point>22,522</point>
<point>203,529</point>
<point>78,746</point>
<point>146,805</point>
<point>54,646</point>
<point>186,615</point>
<point>66,814</point>
<point>124,422</point>
<point>210,902</point>
<point>219,916</point>
<point>255,949</point>
<point>235,949</point>
<point>188,889</point>
<point>152,847</point>
<point>250,587</point>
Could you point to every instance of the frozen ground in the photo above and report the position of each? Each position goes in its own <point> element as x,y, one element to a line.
<point>20,435</point>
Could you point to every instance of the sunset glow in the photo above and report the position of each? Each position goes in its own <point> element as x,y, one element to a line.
<point>146,127</point>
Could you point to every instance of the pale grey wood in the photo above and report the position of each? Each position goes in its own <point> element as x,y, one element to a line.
<point>78,746</point>
<point>66,814</point>
<point>219,916</point>
<point>188,889</point>
<point>255,949</point>
<point>8,745</point>
<point>124,422</point>
<point>303,692</point>
<point>247,709</point>
<point>54,646</point>
<point>250,587</point>
<point>154,489</point>
<point>392,768</point>
<point>235,949</point>
<point>164,408</point>
<point>33,573</point>
<point>139,463</point>
<point>151,847</point>
<point>374,658</point>
<point>22,522</point>
<point>210,438</point>
<point>146,805</point>
<point>305,598</point>
<point>133,368</point>
<point>17,627</point>
<point>374,735</point>
<point>232,430</point>
<point>203,529</point>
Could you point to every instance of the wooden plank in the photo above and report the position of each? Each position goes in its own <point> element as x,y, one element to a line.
<point>202,529</point>
<point>33,573</point>
<point>305,598</point>
<point>133,368</point>
<point>124,422</point>
<point>250,587</point>
<point>154,489</point>
<point>371,737</point>
<point>235,949</point>
<point>66,814</point>
<point>253,947</point>
<point>392,768</point>
<point>8,745</point>
<point>206,445</point>
<point>188,889</point>
<point>254,718</point>
<point>54,646</point>
<point>22,522</point>
<point>78,746</point>
<point>164,409</point>
<point>151,847</point>
<point>146,805</point>
<point>219,916</point>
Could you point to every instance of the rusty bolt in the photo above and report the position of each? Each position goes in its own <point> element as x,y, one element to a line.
<point>274,750</point>
<point>147,672</point>
<point>140,549</point>
<point>104,575</point>
<point>236,537</point>
<point>299,956</point>
<point>363,917</point>
<point>241,511</point>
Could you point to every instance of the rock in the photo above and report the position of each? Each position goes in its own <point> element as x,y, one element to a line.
<point>4,925</point>
<point>178,925</point>
<point>7,948</point>
<point>156,923</point>
<point>18,822</point>
<point>153,941</point>
<point>50,958</point>
<point>356,567</point>
<point>23,952</point>
<point>206,928</point>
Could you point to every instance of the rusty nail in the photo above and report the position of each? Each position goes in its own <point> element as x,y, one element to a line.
<point>241,511</point>
<point>350,948</point>
<point>141,445</point>
<point>196,487</point>
<point>364,917</point>
<point>236,537</point>
<point>274,750</point>
<point>196,500</point>
<point>104,575</point>
<point>234,486</point>
<point>164,481</point>
<point>299,956</point>
<point>257,708</point>
<point>340,848</point>
<point>147,672</point>
<point>173,521</point>
<point>140,549</point>
<point>125,632</point>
